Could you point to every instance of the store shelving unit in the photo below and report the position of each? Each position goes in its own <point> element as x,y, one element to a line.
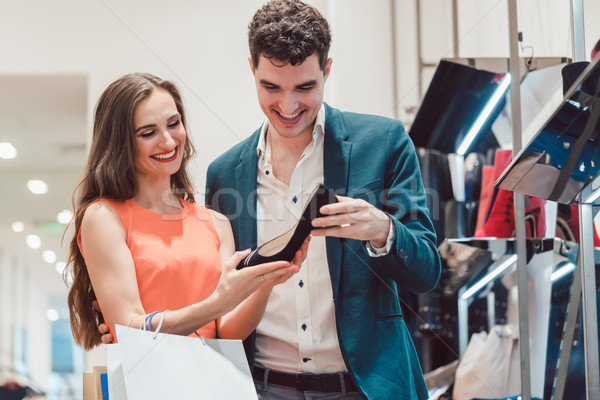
<point>587,198</point>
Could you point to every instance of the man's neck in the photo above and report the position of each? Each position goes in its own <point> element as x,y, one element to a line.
<point>284,153</point>
<point>281,144</point>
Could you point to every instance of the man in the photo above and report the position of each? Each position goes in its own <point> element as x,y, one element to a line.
<point>334,329</point>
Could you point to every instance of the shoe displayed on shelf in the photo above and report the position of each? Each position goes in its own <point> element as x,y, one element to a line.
<point>285,246</point>
<point>500,217</point>
<point>487,189</point>
<point>567,224</point>
<point>500,221</point>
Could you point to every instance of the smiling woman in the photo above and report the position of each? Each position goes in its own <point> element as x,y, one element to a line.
<point>141,245</point>
<point>159,134</point>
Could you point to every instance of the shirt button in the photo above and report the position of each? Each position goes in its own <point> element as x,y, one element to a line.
<point>267,172</point>
<point>294,199</point>
<point>304,327</point>
<point>300,283</point>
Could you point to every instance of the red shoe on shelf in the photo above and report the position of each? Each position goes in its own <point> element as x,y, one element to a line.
<point>487,189</point>
<point>500,215</point>
<point>500,221</point>
<point>567,224</point>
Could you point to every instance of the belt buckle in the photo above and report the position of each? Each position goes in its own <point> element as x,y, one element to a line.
<point>308,382</point>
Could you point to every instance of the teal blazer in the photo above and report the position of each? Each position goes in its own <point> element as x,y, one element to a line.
<point>372,158</point>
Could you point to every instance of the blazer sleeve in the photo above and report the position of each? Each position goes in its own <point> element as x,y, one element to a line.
<point>413,261</point>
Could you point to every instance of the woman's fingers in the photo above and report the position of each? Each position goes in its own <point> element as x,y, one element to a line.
<point>302,253</point>
<point>235,259</point>
<point>107,338</point>
<point>103,328</point>
<point>273,273</point>
<point>267,268</point>
<point>280,278</point>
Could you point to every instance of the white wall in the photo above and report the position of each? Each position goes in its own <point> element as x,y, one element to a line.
<point>202,46</point>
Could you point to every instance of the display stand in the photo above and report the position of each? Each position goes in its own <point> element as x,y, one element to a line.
<point>569,332</point>
<point>559,165</point>
<point>505,248</point>
<point>519,204</point>
<point>586,265</point>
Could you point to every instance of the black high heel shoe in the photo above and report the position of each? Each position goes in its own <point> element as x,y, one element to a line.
<point>284,247</point>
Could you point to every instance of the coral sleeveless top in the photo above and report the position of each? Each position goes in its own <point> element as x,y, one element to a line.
<point>176,257</point>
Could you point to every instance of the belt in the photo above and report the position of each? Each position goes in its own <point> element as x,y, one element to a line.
<point>307,382</point>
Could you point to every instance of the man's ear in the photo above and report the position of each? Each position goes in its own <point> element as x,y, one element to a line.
<point>327,68</point>
<point>251,65</point>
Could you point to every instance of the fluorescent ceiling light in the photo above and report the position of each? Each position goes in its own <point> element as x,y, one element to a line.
<point>18,226</point>
<point>52,314</point>
<point>33,241</point>
<point>561,272</point>
<point>7,150</point>
<point>37,186</point>
<point>486,279</point>
<point>49,256</point>
<point>60,266</point>
<point>64,217</point>
<point>483,116</point>
<point>593,197</point>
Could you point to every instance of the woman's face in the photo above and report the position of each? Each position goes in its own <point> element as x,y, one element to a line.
<point>159,136</point>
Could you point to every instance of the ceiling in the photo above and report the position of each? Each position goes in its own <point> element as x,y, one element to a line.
<point>45,118</point>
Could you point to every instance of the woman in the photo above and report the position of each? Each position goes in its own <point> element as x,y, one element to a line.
<point>141,245</point>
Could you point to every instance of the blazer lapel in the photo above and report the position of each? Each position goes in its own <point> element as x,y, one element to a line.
<point>245,196</point>
<point>336,166</point>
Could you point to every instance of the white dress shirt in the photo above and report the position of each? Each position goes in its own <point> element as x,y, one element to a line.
<point>298,331</point>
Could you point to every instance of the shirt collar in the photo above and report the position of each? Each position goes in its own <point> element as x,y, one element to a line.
<point>318,130</point>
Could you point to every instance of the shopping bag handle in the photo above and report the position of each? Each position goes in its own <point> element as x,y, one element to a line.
<point>162,319</point>
<point>148,322</point>
<point>201,338</point>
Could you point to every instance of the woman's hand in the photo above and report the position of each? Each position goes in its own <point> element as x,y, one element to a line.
<point>107,337</point>
<point>297,261</point>
<point>244,319</point>
<point>236,285</point>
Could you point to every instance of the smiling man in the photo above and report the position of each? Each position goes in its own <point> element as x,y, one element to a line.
<point>335,329</point>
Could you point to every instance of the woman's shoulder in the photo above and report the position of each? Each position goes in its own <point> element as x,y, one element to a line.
<point>102,210</point>
<point>101,224</point>
<point>218,218</point>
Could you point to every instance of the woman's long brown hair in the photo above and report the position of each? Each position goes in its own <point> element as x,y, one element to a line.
<point>110,173</point>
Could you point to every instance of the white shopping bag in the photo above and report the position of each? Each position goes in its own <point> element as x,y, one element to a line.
<point>491,366</point>
<point>114,367</point>
<point>145,366</point>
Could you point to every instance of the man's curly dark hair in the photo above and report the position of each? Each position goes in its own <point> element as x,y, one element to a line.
<point>288,31</point>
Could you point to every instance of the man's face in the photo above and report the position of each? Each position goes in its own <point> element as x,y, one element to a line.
<point>290,95</point>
